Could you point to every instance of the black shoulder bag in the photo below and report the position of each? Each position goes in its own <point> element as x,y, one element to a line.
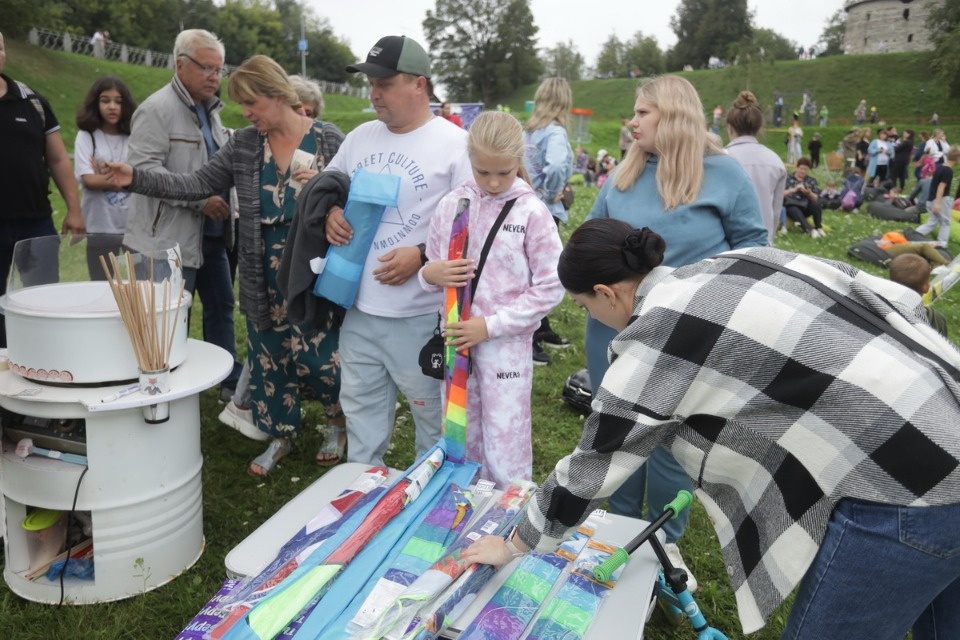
<point>432,354</point>
<point>858,309</point>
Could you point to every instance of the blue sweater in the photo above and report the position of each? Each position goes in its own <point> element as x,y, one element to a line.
<point>724,216</point>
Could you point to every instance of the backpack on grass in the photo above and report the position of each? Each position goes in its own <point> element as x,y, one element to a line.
<point>890,211</point>
<point>849,201</point>
<point>577,391</point>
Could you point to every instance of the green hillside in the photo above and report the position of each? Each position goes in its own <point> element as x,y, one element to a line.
<point>65,78</point>
<point>891,82</point>
<point>894,80</point>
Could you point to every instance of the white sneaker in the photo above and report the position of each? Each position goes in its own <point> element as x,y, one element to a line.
<point>782,230</point>
<point>242,420</point>
<point>673,552</point>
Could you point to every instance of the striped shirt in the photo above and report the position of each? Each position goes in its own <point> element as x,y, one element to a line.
<point>777,401</point>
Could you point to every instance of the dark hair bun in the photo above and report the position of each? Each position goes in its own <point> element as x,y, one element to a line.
<point>643,250</point>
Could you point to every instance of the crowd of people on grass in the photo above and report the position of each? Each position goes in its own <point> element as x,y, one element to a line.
<point>719,363</point>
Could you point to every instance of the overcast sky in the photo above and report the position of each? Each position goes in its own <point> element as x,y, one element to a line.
<point>588,24</point>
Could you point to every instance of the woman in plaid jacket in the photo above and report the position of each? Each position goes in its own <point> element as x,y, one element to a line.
<point>824,449</point>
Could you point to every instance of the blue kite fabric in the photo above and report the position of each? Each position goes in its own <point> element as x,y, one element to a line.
<point>438,530</point>
<point>237,601</point>
<point>510,610</point>
<point>316,573</point>
<point>342,269</point>
<point>571,611</point>
<point>435,619</point>
<point>329,620</point>
<point>402,616</point>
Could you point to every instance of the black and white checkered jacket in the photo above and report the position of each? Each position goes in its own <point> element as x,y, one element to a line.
<point>777,401</point>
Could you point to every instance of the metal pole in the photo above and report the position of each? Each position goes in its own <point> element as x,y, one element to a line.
<point>303,48</point>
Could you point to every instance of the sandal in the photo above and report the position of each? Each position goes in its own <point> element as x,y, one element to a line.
<point>334,446</point>
<point>266,461</point>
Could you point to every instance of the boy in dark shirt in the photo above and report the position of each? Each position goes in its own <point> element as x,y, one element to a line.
<point>939,202</point>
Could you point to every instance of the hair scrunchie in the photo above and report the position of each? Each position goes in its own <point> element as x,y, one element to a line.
<point>643,250</point>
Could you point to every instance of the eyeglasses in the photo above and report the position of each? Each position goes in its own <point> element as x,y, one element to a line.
<point>207,71</point>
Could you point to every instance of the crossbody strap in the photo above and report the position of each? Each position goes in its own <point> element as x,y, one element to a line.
<point>857,308</point>
<point>486,245</point>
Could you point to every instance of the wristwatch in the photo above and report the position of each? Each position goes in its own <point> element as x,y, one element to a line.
<point>423,253</point>
<point>512,548</point>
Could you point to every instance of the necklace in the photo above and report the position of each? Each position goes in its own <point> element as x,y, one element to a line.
<point>282,181</point>
<point>283,177</point>
<point>117,146</point>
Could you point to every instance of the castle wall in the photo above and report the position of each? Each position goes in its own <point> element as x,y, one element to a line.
<point>875,25</point>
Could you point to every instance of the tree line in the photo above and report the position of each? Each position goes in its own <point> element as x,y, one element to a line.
<point>246,27</point>
<point>486,49</point>
<point>482,50</point>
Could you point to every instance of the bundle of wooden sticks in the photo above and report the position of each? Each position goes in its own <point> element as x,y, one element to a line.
<point>152,338</point>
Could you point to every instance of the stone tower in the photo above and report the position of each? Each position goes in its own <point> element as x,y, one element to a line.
<point>879,26</point>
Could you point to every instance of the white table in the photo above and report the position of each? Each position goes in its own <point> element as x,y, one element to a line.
<point>622,615</point>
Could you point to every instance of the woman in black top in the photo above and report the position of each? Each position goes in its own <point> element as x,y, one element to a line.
<point>902,152</point>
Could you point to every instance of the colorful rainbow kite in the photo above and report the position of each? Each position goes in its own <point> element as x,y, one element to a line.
<point>457,308</point>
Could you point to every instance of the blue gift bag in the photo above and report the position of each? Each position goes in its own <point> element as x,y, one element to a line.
<point>370,195</point>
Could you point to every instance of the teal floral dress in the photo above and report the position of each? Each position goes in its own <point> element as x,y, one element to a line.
<point>287,358</point>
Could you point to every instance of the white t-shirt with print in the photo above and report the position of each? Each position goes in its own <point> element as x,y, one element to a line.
<point>103,211</point>
<point>431,161</point>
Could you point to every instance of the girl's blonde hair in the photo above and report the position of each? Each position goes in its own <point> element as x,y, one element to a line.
<point>551,102</point>
<point>497,133</point>
<point>681,142</point>
<point>261,76</point>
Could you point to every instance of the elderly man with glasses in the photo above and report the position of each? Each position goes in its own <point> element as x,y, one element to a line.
<point>176,130</point>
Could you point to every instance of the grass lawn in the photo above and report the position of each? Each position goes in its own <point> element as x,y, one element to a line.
<point>235,504</point>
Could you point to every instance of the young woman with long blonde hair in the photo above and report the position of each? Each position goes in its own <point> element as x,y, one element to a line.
<point>676,180</point>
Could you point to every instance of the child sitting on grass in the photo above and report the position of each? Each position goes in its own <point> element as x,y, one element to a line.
<point>830,196</point>
<point>913,272</point>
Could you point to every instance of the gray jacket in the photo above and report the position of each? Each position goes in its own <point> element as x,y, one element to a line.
<point>166,138</point>
<point>237,164</point>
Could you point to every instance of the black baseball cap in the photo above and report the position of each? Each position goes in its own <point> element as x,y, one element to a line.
<point>392,55</point>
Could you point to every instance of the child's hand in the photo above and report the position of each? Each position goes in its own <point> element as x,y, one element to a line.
<point>466,334</point>
<point>936,207</point>
<point>449,273</point>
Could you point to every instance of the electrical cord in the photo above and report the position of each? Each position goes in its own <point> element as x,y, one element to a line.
<point>66,561</point>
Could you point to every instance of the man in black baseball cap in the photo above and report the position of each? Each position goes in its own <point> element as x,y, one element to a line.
<point>392,55</point>
<point>398,69</point>
<point>393,315</point>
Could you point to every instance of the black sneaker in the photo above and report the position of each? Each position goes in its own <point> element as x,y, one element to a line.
<point>552,339</point>
<point>540,357</point>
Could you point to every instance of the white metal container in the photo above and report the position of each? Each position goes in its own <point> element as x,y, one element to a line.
<point>72,332</point>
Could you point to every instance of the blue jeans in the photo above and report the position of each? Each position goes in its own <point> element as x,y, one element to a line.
<point>659,479</point>
<point>212,281</point>
<point>11,232</point>
<point>661,476</point>
<point>882,570</point>
<point>241,394</point>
